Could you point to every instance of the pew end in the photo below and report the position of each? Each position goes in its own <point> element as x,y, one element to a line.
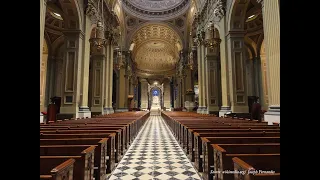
<point>62,171</point>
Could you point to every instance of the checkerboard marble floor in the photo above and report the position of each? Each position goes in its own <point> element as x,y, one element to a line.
<point>155,155</point>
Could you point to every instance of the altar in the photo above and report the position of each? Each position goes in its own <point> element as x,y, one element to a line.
<point>155,103</point>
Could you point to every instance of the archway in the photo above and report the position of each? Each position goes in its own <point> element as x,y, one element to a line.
<point>155,51</point>
<point>156,97</point>
<point>245,17</point>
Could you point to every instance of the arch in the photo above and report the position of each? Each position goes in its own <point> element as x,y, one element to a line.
<point>260,43</point>
<point>71,14</point>
<point>249,51</point>
<point>251,45</point>
<point>159,94</point>
<point>57,44</point>
<point>237,15</point>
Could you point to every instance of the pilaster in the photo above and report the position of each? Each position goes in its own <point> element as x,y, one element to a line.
<point>212,81</point>
<point>237,72</point>
<point>72,66</point>
<point>98,84</point>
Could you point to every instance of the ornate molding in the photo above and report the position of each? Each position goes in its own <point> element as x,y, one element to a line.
<point>219,10</point>
<point>156,10</point>
<point>92,12</point>
<point>212,10</point>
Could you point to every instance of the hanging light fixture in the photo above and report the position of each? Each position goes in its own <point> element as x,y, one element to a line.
<point>99,40</point>
<point>210,40</point>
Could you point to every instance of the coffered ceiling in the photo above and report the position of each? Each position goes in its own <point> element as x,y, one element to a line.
<point>156,49</point>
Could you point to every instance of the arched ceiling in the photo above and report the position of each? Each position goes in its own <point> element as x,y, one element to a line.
<point>156,49</point>
<point>156,9</point>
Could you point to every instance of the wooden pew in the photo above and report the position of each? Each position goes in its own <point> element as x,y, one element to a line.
<point>257,166</point>
<point>184,129</point>
<point>104,156</point>
<point>125,131</point>
<point>119,142</point>
<point>53,170</point>
<point>88,131</point>
<point>113,136</point>
<point>70,150</point>
<point>83,165</point>
<point>191,136</point>
<point>223,154</point>
<point>203,163</point>
<point>185,133</point>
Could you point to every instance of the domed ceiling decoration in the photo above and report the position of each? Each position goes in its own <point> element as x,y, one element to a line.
<point>156,49</point>
<point>156,9</point>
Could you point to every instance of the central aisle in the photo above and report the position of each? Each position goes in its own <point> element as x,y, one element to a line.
<point>155,155</point>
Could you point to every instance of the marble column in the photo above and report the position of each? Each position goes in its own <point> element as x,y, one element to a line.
<point>84,110</point>
<point>136,92</point>
<point>43,7</point>
<point>177,102</point>
<point>98,83</point>
<point>43,82</point>
<point>167,95</point>
<point>225,108</point>
<point>237,72</point>
<point>271,27</point>
<point>212,81</point>
<point>122,98</point>
<point>204,74</point>
<point>72,73</point>
<point>123,90</point>
<point>144,94</point>
<point>189,84</point>
<point>251,79</point>
<point>200,78</point>
<point>110,77</point>
<point>108,109</point>
<point>183,90</point>
<point>264,100</point>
